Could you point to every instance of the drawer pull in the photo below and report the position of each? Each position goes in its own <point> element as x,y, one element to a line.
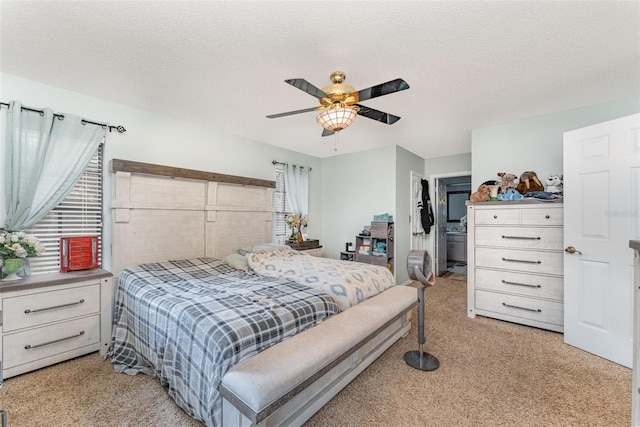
<point>521,284</point>
<point>521,260</point>
<point>521,237</point>
<point>27,311</point>
<point>537,310</point>
<point>31,347</point>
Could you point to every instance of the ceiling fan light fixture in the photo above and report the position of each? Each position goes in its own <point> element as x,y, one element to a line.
<point>336,119</point>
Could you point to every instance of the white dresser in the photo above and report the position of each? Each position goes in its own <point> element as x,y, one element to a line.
<point>515,262</point>
<point>45,319</point>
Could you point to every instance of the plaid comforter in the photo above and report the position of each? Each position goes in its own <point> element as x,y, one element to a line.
<point>187,322</point>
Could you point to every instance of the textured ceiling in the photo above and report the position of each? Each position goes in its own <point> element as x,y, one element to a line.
<point>223,64</point>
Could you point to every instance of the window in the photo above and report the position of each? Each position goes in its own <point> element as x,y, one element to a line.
<point>456,205</point>
<point>79,214</point>
<point>281,206</point>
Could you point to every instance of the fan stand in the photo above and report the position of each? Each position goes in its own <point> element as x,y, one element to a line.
<point>420,359</point>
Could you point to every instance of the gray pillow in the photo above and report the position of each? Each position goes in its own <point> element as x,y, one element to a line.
<point>268,247</point>
<point>237,261</point>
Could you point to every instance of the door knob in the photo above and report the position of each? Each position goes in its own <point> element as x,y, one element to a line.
<point>572,250</point>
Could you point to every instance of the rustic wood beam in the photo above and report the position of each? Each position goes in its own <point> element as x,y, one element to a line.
<point>119,165</point>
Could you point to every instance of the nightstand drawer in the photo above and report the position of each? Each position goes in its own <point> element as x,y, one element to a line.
<point>44,307</point>
<point>520,237</point>
<point>521,307</point>
<point>312,252</point>
<point>520,283</point>
<point>24,347</point>
<point>520,260</point>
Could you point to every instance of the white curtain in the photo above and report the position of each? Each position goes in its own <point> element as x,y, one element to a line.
<point>45,156</point>
<point>296,181</point>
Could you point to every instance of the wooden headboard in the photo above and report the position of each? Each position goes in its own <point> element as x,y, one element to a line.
<point>162,212</point>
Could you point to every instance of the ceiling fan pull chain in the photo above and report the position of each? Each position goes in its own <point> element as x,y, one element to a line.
<point>335,141</point>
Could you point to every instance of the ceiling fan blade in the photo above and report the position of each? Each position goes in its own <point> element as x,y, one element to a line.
<point>382,89</point>
<point>290,113</point>
<point>327,132</point>
<point>305,86</point>
<point>380,116</point>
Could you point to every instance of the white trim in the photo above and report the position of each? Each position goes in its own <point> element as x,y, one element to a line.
<point>411,198</point>
<point>432,190</point>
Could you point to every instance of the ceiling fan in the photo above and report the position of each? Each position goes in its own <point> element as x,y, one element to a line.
<point>339,102</point>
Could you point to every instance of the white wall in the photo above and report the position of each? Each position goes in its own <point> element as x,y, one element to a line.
<point>535,143</point>
<point>406,162</point>
<point>447,164</point>
<point>354,188</point>
<point>153,138</point>
<point>441,167</point>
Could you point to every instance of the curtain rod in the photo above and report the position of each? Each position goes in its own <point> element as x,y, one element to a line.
<point>119,129</point>
<point>275,162</point>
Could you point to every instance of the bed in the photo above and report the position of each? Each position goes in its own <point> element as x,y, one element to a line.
<point>172,230</point>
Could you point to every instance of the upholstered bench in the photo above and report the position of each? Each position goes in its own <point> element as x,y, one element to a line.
<point>276,387</point>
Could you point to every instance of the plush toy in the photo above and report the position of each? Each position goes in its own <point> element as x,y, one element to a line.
<point>508,181</point>
<point>511,194</point>
<point>493,187</point>
<point>529,182</point>
<point>482,195</point>
<point>554,184</point>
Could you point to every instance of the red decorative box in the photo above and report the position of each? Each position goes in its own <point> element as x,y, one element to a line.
<point>78,253</point>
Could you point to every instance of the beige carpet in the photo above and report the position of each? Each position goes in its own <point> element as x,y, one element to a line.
<point>491,373</point>
<point>455,276</point>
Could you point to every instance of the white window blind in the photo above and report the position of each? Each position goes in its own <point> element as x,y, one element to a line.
<point>281,206</point>
<point>79,214</point>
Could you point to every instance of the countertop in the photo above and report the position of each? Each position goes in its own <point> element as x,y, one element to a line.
<point>525,201</point>
<point>37,280</point>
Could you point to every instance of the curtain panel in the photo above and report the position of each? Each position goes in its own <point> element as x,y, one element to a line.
<point>297,188</point>
<point>46,153</point>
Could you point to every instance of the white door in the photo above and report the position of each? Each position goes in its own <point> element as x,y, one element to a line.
<point>418,236</point>
<point>601,215</point>
<point>441,227</point>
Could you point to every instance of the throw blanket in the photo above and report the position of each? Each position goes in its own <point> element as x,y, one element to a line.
<point>347,281</point>
<point>187,322</point>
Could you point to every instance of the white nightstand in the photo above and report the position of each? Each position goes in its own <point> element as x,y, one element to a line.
<point>49,318</point>
<point>312,251</point>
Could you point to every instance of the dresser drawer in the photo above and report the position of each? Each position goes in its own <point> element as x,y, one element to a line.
<point>520,283</point>
<point>520,237</point>
<point>24,347</point>
<point>521,307</point>
<point>51,306</point>
<point>497,216</point>
<point>542,216</point>
<point>520,260</point>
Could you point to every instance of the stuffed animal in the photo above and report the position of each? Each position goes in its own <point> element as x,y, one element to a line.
<point>508,181</point>
<point>482,195</point>
<point>511,194</point>
<point>554,184</point>
<point>529,182</point>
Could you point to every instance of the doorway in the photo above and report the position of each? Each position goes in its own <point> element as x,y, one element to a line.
<point>450,245</point>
